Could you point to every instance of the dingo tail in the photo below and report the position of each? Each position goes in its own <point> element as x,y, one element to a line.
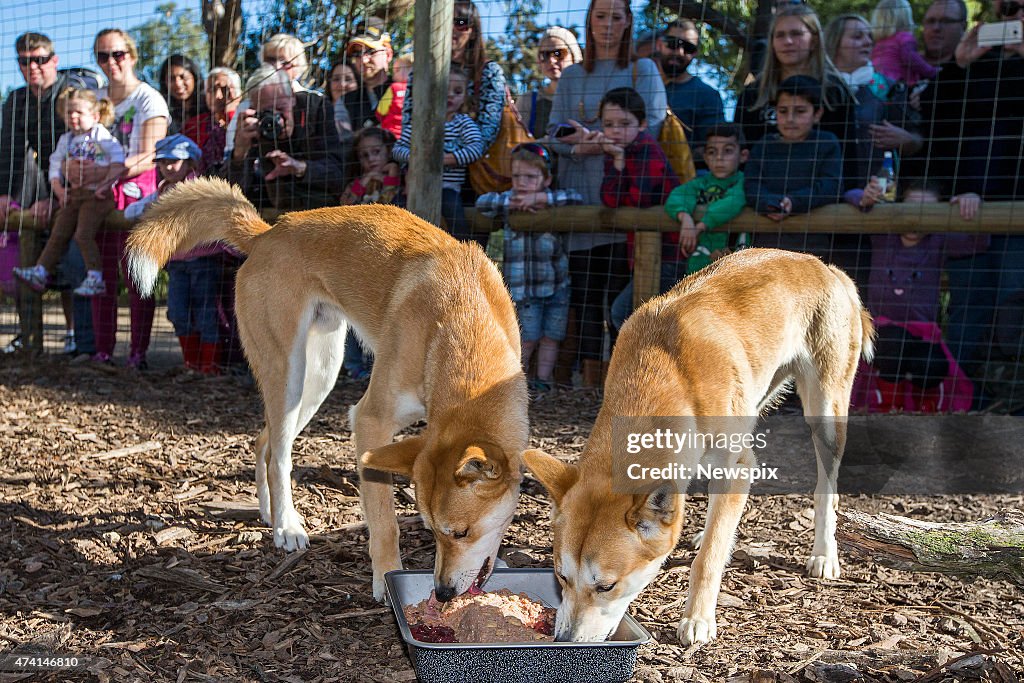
<point>191,213</point>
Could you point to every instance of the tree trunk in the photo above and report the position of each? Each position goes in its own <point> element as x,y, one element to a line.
<point>222,21</point>
<point>993,547</point>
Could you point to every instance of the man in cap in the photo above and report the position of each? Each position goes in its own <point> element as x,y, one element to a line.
<point>370,54</point>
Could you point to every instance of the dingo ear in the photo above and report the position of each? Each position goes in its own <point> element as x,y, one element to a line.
<point>477,464</point>
<point>396,458</point>
<point>556,476</point>
<point>654,510</point>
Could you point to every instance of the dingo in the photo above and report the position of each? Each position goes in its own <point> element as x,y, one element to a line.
<point>722,343</point>
<point>442,326</point>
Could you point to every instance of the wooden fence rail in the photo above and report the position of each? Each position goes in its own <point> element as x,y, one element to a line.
<point>993,217</point>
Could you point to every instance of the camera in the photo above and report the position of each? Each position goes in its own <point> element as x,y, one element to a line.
<point>271,125</point>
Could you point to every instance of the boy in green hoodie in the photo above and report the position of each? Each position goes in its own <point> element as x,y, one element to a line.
<point>721,189</point>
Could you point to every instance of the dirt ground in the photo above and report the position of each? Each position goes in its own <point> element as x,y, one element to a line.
<point>129,537</point>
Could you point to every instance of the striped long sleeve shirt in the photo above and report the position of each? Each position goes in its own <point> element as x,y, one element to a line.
<point>461,138</point>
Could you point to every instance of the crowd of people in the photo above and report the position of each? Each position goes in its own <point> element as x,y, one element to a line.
<point>836,113</point>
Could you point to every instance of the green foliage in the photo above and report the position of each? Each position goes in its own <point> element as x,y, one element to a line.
<point>324,26</point>
<point>174,31</point>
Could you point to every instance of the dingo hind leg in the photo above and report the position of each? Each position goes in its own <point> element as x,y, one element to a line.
<point>824,385</point>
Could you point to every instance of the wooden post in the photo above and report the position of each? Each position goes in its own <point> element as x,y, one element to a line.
<point>432,35</point>
<point>646,266</point>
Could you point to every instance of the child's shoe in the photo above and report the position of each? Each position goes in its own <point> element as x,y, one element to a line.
<point>91,286</point>
<point>35,277</point>
<point>70,347</point>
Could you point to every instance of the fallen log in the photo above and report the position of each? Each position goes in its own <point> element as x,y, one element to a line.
<point>993,547</point>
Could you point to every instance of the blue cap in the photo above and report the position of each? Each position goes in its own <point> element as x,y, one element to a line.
<point>177,146</point>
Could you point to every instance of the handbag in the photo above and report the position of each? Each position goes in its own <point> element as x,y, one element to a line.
<point>127,191</point>
<point>493,171</point>
<point>673,142</point>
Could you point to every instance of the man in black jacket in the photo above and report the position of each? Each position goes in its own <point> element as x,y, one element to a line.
<point>287,152</point>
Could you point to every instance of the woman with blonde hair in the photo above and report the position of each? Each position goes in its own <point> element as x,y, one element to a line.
<point>141,118</point>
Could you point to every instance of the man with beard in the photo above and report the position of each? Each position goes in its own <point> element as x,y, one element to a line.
<point>697,104</point>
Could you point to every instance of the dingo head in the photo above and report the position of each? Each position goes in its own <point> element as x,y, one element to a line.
<point>607,546</point>
<point>467,496</point>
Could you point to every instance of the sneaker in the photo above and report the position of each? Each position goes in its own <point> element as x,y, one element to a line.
<point>540,386</point>
<point>101,357</point>
<point>91,286</point>
<point>14,345</point>
<point>31,277</point>
<point>70,347</point>
<point>137,361</point>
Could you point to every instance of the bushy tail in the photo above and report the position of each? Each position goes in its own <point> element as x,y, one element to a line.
<point>191,213</point>
<point>867,325</point>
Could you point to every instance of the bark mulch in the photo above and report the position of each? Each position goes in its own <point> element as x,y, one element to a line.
<point>129,536</point>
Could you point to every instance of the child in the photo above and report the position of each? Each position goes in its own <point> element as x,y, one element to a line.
<point>913,369</point>
<point>535,264</point>
<point>797,169</point>
<point>463,145</point>
<point>378,184</point>
<point>895,53</point>
<point>721,190</point>
<point>636,173</point>
<point>389,109</point>
<point>380,179</point>
<point>193,288</point>
<point>85,205</point>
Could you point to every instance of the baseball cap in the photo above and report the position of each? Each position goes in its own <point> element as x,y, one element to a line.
<point>177,146</point>
<point>371,37</point>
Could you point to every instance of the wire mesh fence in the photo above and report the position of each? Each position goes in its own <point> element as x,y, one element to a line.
<point>809,127</point>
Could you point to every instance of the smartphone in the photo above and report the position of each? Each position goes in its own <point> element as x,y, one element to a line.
<point>1001,33</point>
<point>563,130</point>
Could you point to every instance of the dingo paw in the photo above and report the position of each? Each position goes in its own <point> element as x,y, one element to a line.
<point>379,588</point>
<point>823,567</point>
<point>696,630</point>
<point>265,514</point>
<point>289,534</point>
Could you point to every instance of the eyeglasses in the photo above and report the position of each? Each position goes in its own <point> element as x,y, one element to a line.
<point>941,22</point>
<point>104,57</point>
<point>1010,8</point>
<point>362,54</point>
<point>38,60</point>
<point>461,24</point>
<point>559,53</point>
<point>675,43</point>
<point>534,148</point>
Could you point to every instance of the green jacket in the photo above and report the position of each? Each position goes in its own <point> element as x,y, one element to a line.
<point>724,199</point>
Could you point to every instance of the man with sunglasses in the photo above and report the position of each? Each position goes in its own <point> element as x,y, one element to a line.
<point>30,129</point>
<point>370,54</point>
<point>697,104</point>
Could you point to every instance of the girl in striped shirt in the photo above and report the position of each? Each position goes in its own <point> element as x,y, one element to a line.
<point>463,145</point>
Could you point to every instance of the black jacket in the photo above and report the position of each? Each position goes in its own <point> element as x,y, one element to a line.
<point>315,141</point>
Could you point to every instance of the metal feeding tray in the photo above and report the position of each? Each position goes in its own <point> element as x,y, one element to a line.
<point>607,662</point>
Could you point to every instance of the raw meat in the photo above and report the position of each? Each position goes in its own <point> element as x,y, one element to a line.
<point>498,617</point>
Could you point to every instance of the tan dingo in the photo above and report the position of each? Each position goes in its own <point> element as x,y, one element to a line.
<point>442,327</point>
<point>721,343</point>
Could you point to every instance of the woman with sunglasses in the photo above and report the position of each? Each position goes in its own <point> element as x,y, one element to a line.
<point>180,80</point>
<point>597,261</point>
<point>485,96</point>
<point>141,118</point>
<point>558,50</point>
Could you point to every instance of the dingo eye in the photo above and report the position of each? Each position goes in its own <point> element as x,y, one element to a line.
<point>460,534</point>
<point>604,589</point>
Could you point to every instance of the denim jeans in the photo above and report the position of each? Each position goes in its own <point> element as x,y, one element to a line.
<point>671,273</point>
<point>73,268</point>
<point>192,293</point>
